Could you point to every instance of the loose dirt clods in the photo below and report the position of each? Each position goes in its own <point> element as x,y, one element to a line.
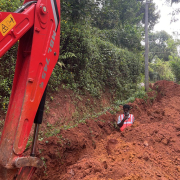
<point>95,150</point>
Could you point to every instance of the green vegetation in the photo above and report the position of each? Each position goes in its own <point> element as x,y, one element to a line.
<point>140,93</point>
<point>8,61</point>
<point>159,70</point>
<point>10,5</point>
<point>164,58</point>
<point>175,65</point>
<point>100,48</point>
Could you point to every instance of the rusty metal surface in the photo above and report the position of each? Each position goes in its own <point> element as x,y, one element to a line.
<point>28,161</point>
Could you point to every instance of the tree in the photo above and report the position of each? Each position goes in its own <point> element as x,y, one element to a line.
<point>120,13</point>
<point>160,70</point>
<point>175,12</point>
<point>175,64</point>
<point>153,15</point>
<point>164,58</point>
<point>76,10</point>
<point>162,45</point>
<point>172,1</point>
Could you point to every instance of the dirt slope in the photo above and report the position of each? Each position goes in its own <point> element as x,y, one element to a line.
<point>148,150</point>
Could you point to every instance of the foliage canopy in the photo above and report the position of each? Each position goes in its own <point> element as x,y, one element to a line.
<point>100,47</point>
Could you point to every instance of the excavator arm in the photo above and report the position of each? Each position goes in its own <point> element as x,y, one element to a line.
<point>36,25</point>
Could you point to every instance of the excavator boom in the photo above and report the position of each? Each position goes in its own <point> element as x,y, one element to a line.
<point>36,25</point>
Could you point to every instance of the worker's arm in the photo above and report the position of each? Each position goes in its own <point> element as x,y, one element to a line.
<point>121,122</point>
<point>133,119</point>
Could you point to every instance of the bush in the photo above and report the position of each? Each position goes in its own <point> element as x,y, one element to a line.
<point>175,64</point>
<point>90,63</point>
<point>159,70</point>
<point>9,5</point>
<point>140,93</point>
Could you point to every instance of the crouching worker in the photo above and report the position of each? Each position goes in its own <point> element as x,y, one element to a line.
<point>126,119</point>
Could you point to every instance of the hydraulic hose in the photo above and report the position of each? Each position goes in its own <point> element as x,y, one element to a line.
<point>24,6</point>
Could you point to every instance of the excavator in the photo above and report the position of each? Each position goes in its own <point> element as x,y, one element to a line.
<point>36,28</point>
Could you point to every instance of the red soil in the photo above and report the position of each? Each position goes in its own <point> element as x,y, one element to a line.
<point>95,150</point>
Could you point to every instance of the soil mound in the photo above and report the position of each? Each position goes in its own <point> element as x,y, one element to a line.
<point>96,150</point>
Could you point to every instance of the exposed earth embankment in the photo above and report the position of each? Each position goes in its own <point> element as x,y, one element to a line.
<point>150,149</point>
